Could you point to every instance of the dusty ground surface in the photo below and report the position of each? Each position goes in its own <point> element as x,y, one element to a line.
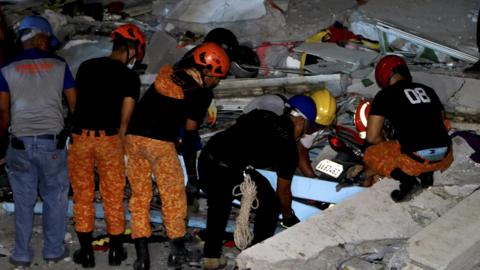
<point>159,249</point>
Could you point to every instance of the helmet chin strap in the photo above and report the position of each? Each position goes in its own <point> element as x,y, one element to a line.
<point>129,58</point>
<point>296,113</point>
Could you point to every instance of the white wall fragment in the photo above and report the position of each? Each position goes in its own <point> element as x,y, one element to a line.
<point>209,11</point>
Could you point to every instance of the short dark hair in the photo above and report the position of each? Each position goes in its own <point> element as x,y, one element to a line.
<point>403,71</point>
<point>122,44</point>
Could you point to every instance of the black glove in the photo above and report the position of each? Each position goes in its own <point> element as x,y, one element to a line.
<point>289,222</point>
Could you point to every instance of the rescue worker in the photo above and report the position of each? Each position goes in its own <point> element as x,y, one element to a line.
<point>417,116</point>
<point>107,93</point>
<point>259,139</point>
<point>179,95</point>
<point>326,112</point>
<point>31,90</point>
<point>190,139</point>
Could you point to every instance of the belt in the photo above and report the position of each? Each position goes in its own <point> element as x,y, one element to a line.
<point>95,132</point>
<point>18,144</point>
<point>45,136</point>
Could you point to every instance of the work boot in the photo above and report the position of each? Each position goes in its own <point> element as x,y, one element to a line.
<point>405,193</point>
<point>214,263</point>
<point>84,255</point>
<point>408,186</point>
<point>426,179</point>
<point>143,257</point>
<point>116,253</point>
<point>179,254</point>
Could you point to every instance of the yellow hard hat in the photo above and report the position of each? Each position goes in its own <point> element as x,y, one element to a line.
<point>326,106</point>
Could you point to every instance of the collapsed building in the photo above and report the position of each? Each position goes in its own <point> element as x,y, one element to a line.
<point>301,46</point>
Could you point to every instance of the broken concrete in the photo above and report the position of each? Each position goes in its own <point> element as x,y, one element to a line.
<point>370,215</point>
<point>451,242</point>
<point>429,19</point>
<point>332,52</point>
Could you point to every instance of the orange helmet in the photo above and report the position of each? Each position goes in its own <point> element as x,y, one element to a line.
<point>389,66</point>
<point>213,57</point>
<point>131,32</point>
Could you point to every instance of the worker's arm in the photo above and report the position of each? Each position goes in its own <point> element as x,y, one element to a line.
<point>284,194</point>
<point>127,110</point>
<point>71,96</point>
<point>304,161</point>
<point>189,149</point>
<point>446,122</point>
<point>374,129</point>
<point>4,122</point>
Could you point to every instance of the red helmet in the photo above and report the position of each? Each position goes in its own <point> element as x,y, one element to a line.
<point>213,57</point>
<point>387,67</point>
<point>132,32</point>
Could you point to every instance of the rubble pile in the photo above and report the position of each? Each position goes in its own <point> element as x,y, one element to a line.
<point>298,46</point>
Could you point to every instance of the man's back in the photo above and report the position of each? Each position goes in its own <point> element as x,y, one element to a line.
<point>35,81</point>
<point>102,83</point>
<point>261,139</point>
<point>416,114</point>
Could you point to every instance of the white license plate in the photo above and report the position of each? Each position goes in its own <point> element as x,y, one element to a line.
<point>329,167</point>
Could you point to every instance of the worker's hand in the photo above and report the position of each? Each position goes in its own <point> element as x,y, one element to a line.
<point>289,222</point>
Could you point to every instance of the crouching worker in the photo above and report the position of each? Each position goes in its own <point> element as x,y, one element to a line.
<point>326,113</point>
<point>152,135</point>
<point>107,92</point>
<point>259,139</point>
<point>417,116</point>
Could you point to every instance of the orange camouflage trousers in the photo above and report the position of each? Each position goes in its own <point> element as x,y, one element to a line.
<point>106,153</point>
<point>384,157</point>
<point>148,156</point>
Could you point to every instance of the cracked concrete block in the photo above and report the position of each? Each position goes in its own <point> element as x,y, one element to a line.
<point>452,241</point>
<point>467,100</point>
<point>370,215</point>
<point>444,86</point>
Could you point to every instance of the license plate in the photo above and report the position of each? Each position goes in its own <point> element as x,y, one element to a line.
<point>329,167</point>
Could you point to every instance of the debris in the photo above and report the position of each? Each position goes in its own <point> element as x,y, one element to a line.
<point>473,140</point>
<point>333,52</point>
<point>266,82</point>
<point>390,29</point>
<point>138,10</point>
<point>3,251</point>
<point>217,11</point>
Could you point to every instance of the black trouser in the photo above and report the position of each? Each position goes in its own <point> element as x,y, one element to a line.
<point>478,30</point>
<point>218,180</point>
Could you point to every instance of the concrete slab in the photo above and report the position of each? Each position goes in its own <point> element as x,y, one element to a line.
<point>444,86</point>
<point>370,215</point>
<point>450,242</point>
<point>467,100</point>
<point>429,19</point>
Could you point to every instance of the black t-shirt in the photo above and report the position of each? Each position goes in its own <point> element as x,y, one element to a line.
<point>102,84</point>
<point>261,139</point>
<point>160,117</point>
<point>415,112</point>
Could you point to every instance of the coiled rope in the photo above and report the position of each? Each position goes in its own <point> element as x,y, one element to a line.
<point>243,236</point>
